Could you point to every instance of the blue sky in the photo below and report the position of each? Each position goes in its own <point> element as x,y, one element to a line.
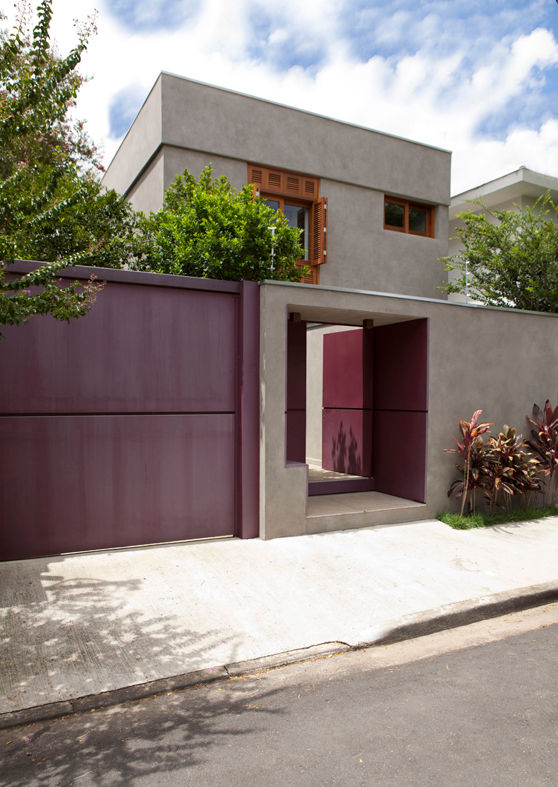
<point>478,78</point>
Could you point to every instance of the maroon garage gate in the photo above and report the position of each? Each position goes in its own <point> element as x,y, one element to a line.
<point>136,424</point>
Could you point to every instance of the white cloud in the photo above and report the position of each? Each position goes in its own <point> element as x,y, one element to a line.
<point>433,94</point>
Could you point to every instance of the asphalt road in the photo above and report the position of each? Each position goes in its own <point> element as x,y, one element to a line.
<point>472,706</point>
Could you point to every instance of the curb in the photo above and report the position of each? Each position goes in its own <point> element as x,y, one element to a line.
<point>421,624</point>
<point>462,613</point>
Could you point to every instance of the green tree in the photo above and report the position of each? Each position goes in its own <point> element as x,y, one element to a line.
<point>509,257</point>
<point>209,230</point>
<point>52,205</point>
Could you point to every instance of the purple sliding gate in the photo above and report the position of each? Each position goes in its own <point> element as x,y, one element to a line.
<point>136,424</point>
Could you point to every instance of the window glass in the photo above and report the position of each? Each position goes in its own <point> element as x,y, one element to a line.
<point>417,219</point>
<point>394,214</point>
<point>298,217</point>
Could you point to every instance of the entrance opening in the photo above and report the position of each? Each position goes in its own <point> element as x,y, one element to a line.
<point>357,405</point>
<point>339,408</point>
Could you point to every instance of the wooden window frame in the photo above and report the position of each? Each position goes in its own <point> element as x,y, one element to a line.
<point>299,203</point>
<point>296,188</point>
<point>406,204</point>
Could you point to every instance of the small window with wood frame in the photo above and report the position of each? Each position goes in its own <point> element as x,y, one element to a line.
<point>298,197</point>
<point>413,218</point>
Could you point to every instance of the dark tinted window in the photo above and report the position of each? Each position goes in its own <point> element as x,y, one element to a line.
<point>394,214</point>
<point>417,220</point>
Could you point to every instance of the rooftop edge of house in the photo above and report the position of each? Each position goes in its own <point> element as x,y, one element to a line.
<point>272,103</point>
<point>511,186</point>
<point>304,111</point>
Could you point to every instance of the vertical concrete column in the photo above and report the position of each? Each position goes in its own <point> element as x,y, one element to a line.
<point>248,423</point>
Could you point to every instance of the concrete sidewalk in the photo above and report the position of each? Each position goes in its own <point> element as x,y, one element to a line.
<point>76,627</point>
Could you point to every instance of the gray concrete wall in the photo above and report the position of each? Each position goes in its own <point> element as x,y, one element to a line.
<point>147,190</point>
<point>220,122</point>
<point>179,159</point>
<point>138,146</point>
<point>480,358</point>
<point>364,255</point>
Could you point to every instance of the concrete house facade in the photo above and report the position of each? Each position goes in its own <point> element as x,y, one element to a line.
<point>373,207</point>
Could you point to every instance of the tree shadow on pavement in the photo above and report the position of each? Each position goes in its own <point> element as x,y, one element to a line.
<point>137,740</point>
<point>65,636</point>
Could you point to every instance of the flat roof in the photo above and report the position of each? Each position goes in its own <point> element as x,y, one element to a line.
<point>519,183</point>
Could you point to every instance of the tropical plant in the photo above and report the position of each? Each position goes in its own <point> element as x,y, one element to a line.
<point>473,451</point>
<point>508,257</point>
<point>207,229</point>
<point>544,443</point>
<point>509,469</point>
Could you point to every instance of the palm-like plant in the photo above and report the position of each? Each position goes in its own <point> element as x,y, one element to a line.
<point>472,449</point>
<point>509,469</point>
<point>544,443</point>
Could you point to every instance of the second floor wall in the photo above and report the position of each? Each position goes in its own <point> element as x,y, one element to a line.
<point>186,125</point>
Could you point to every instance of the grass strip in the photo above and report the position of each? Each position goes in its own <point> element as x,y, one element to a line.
<point>487,519</point>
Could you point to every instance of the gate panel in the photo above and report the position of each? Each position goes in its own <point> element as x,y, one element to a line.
<point>140,349</point>
<point>347,402</point>
<point>401,408</point>
<point>73,483</point>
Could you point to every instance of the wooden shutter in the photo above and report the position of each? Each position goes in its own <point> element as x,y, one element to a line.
<point>318,232</point>
<point>304,190</point>
<point>285,184</point>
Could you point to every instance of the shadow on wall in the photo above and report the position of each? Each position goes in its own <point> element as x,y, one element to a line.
<point>344,452</point>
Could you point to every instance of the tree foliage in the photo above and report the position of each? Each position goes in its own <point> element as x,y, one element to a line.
<point>509,257</point>
<point>209,230</point>
<point>52,205</point>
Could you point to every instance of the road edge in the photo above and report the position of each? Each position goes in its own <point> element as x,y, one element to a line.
<point>421,624</point>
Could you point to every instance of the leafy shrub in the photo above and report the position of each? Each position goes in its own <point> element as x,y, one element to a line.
<point>501,466</point>
<point>544,443</point>
<point>472,450</point>
<point>509,469</point>
<point>207,229</point>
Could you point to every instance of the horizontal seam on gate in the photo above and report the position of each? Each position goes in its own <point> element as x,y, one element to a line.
<point>397,410</point>
<point>55,414</point>
<point>347,408</point>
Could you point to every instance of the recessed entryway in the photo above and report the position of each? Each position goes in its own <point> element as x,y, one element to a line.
<point>357,407</point>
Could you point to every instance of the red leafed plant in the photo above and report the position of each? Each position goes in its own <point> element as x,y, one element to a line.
<point>509,470</point>
<point>473,451</point>
<point>544,443</point>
